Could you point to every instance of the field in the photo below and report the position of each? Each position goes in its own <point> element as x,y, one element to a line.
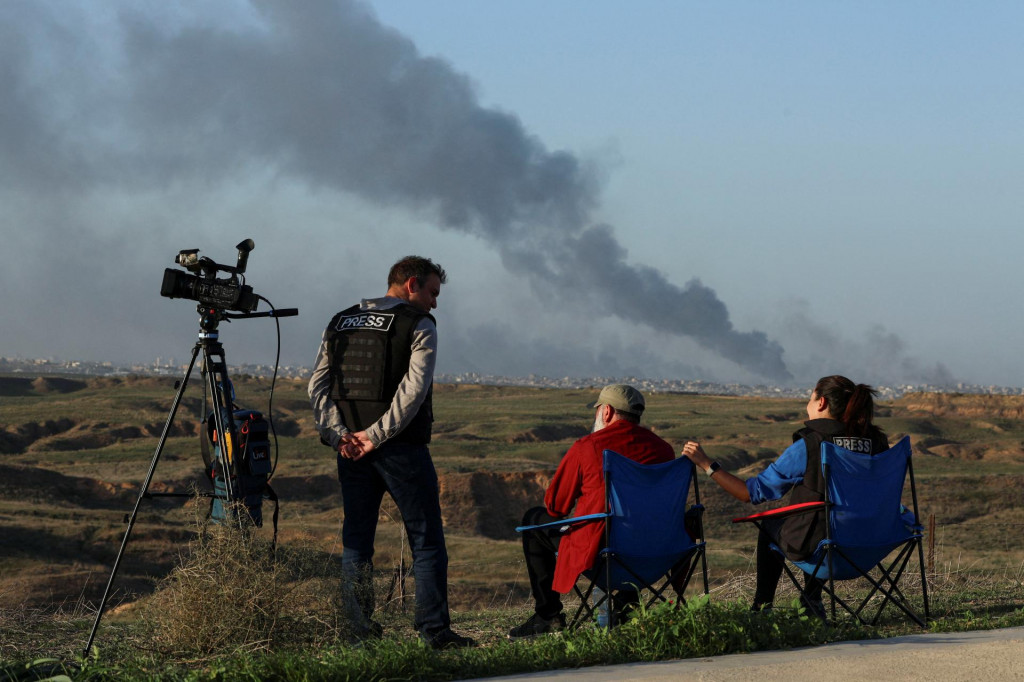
<point>74,451</point>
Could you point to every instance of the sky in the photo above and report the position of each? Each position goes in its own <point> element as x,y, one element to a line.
<point>754,192</point>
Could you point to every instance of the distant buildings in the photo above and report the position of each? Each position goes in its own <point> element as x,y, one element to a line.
<point>161,367</point>
<point>156,368</point>
<point>706,387</point>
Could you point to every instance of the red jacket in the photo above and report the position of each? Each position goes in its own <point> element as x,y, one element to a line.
<point>579,480</point>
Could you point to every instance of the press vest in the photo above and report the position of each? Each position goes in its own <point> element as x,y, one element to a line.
<point>801,533</point>
<point>369,353</point>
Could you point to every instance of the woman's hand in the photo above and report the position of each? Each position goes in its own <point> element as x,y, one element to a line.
<point>696,453</point>
<point>730,484</point>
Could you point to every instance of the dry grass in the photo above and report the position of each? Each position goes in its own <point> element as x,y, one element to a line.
<point>233,592</point>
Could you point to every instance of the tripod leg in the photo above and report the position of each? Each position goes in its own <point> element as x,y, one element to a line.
<point>142,494</point>
<point>218,384</point>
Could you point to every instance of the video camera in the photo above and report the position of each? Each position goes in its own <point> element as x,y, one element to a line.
<point>228,293</point>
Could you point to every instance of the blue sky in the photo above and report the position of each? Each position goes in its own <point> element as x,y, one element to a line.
<point>843,178</point>
<point>863,158</point>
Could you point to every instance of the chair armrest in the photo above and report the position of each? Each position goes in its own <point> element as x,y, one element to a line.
<point>782,512</point>
<point>563,522</point>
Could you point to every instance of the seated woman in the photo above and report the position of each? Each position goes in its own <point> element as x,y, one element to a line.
<point>839,411</point>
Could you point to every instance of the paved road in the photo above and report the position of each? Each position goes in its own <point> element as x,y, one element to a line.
<point>991,656</point>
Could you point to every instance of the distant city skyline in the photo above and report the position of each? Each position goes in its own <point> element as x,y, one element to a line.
<point>731,192</point>
<point>48,366</point>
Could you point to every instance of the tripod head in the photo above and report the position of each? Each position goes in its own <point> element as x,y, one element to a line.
<point>210,317</point>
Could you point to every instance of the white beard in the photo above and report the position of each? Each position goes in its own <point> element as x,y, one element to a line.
<point>598,424</point>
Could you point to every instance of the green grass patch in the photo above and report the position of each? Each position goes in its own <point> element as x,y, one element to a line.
<point>697,629</point>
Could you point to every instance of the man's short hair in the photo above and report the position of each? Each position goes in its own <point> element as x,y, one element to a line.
<point>415,266</point>
<point>627,417</point>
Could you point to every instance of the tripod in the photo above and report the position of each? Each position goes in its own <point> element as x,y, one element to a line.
<point>215,371</point>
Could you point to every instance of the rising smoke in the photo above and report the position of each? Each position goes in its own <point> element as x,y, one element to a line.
<point>320,92</point>
<point>875,355</point>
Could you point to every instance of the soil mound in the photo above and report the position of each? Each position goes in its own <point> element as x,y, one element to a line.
<point>66,435</point>
<point>33,483</point>
<point>57,385</point>
<point>548,433</point>
<point>15,386</point>
<point>774,418</point>
<point>21,437</point>
<point>491,504</point>
<point>20,386</point>
<point>737,459</point>
<point>957,404</point>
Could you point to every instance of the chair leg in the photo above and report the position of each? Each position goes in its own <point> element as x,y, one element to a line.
<point>888,585</point>
<point>678,578</point>
<point>585,611</point>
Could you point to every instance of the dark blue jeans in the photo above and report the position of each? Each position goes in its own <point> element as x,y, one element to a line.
<point>406,472</point>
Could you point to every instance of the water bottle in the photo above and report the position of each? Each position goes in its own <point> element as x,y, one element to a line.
<point>602,610</point>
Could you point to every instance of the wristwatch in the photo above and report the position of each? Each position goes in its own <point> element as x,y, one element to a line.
<point>712,468</point>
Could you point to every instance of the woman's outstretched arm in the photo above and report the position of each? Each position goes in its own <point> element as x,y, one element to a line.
<point>731,484</point>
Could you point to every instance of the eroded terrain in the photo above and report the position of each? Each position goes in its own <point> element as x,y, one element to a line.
<point>73,454</point>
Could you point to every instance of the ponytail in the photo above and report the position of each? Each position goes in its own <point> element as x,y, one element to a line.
<point>852,404</point>
<point>859,411</point>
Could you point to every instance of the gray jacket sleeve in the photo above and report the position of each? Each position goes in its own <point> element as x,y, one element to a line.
<point>415,385</point>
<point>325,413</point>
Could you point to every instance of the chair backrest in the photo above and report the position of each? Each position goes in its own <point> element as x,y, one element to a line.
<point>647,503</point>
<point>865,492</point>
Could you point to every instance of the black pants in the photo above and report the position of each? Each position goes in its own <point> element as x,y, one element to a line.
<point>770,564</point>
<point>407,473</point>
<point>540,548</point>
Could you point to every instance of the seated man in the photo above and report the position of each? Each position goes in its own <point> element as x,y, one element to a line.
<point>555,557</point>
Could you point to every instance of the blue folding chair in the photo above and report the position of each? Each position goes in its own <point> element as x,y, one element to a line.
<point>646,542</point>
<point>866,523</point>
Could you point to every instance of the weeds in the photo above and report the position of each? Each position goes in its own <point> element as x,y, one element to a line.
<point>699,628</point>
<point>669,631</point>
<point>234,593</point>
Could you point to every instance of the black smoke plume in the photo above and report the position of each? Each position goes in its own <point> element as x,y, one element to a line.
<point>320,92</point>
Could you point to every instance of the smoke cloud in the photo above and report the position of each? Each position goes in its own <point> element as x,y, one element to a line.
<point>875,355</point>
<point>320,93</point>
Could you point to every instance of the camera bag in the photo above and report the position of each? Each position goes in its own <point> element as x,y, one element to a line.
<point>250,466</point>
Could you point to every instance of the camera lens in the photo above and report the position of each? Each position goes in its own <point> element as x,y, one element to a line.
<point>178,284</point>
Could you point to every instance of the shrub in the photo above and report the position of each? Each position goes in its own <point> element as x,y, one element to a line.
<point>233,593</point>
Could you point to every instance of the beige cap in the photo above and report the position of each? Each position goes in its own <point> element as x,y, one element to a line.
<point>622,397</point>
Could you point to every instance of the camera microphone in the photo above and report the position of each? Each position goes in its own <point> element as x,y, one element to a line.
<point>244,247</point>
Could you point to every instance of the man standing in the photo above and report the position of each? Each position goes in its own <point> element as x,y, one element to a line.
<point>554,560</point>
<point>371,395</point>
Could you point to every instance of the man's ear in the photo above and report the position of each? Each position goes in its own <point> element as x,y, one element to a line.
<point>412,285</point>
<point>607,413</point>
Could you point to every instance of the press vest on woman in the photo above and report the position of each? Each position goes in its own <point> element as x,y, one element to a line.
<point>801,533</point>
